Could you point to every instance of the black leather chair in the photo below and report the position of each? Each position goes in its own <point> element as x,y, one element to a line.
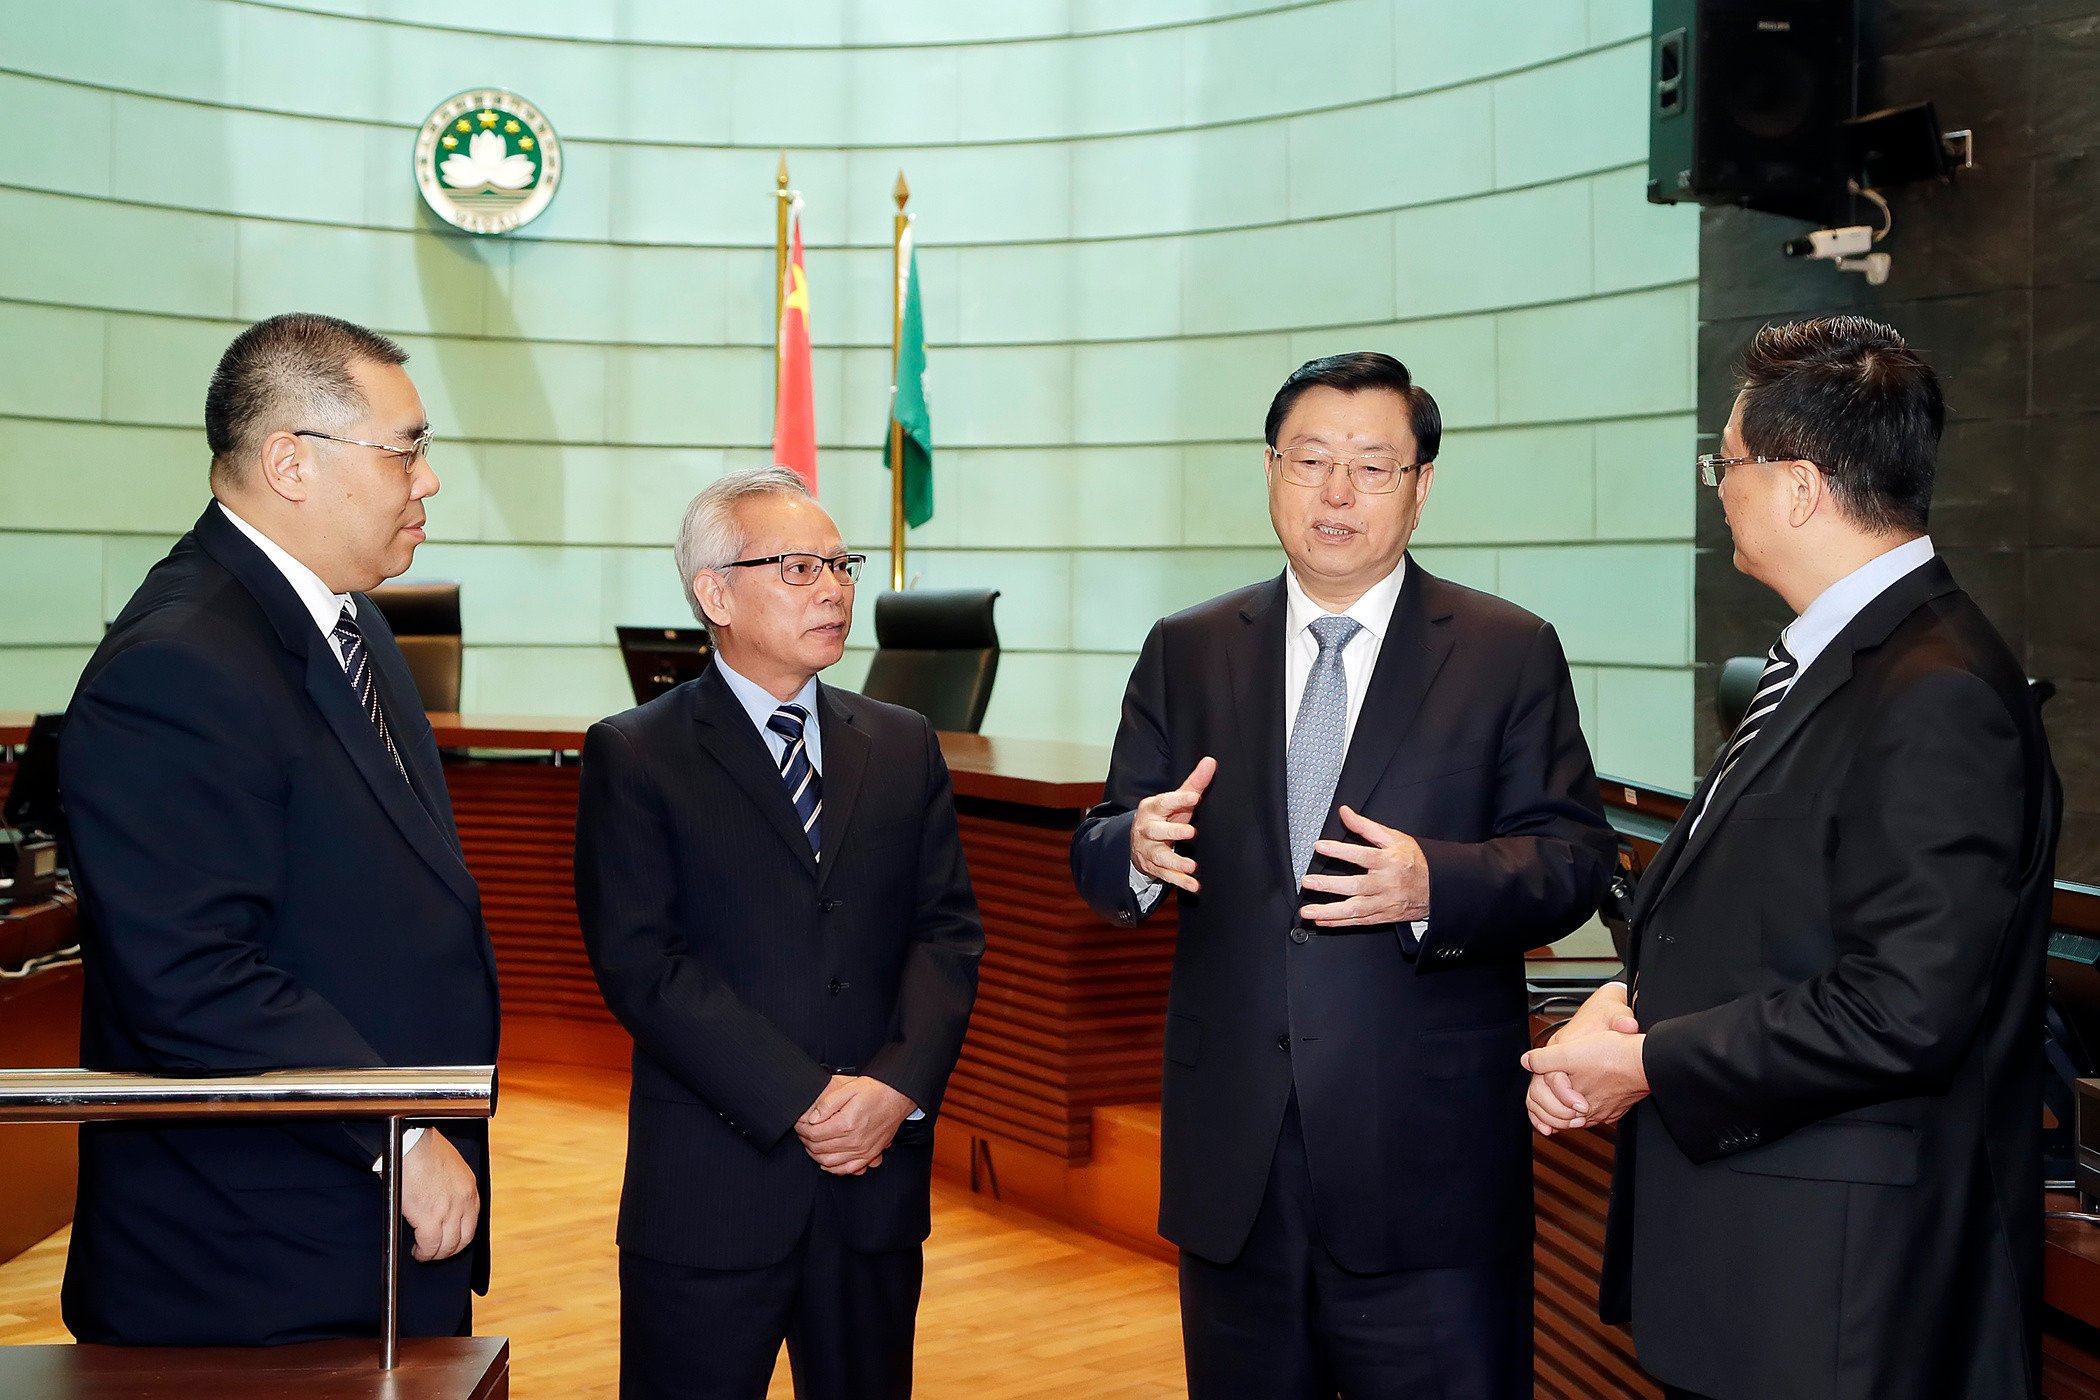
<point>1732,692</point>
<point>425,620</point>
<point>937,653</point>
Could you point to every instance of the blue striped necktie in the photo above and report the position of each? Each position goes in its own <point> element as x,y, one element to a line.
<point>805,787</point>
<point>357,665</point>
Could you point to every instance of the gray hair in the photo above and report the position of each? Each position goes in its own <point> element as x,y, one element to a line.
<point>709,537</point>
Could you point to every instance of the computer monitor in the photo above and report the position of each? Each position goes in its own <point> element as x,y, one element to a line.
<point>659,658</point>
<point>32,800</point>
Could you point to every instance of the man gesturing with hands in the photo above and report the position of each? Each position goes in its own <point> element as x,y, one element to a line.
<point>772,891</point>
<point>1369,790</point>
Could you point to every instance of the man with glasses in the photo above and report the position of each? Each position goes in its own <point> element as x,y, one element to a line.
<point>1370,790</point>
<point>271,877</point>
<point>772,891</point>
<point>1830,1031</point>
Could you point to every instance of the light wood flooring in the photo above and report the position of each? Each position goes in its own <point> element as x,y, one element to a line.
<point>1014,1306</point>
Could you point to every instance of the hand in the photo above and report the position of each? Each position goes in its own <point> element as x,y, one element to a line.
<point>852,1123</point>
<point>1163,819</point>
<point>1394,888</point>
<point>440,1199</point>
<point>1604,1073</point>
<point>1552,1101</point>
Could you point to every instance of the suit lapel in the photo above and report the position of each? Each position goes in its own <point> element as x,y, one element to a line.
<point>727,733</point>
<point>846,748</point>
<point>1254,664</point>
<point>1823,678</point>
<point>329,689</point>
<point>1417,643</point>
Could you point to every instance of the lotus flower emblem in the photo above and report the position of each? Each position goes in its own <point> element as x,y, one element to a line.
<point>488,164</point>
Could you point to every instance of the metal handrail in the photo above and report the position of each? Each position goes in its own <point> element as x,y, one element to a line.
<point>393,1094</point>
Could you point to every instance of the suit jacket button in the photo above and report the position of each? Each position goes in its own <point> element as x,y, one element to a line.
<point>1283,1042</point>
<point>827,905</point>
<point>836,986</point>
<point>1301,934</point>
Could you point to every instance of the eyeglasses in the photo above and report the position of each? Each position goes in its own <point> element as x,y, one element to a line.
<point>1374,476</point>
<point>802,570</point>
<point>1713,466</point>
<point>412,454</point>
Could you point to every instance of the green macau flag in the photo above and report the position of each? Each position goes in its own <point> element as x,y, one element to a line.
<point>908,400</point>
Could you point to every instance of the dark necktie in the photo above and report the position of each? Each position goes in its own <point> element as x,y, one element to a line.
<point>1771,689</point>
<point>805,788</point>
<point>357,665</point>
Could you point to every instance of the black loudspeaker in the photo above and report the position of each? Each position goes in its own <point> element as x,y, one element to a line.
<point>1745,101</point>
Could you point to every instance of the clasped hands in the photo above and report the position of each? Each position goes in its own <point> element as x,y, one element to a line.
<point>1589,1072</point>
<point>852,1123</point>
<point>1394,886</point>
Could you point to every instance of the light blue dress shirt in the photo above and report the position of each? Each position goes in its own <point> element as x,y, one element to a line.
<point>760,703</point>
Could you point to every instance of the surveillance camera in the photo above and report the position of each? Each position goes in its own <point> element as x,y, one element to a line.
<point>1830,244</point>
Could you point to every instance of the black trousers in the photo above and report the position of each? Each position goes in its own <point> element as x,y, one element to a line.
<point>714,1334</point>
<point>1284,1321</point>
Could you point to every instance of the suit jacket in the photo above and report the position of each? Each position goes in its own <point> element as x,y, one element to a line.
<point>261,890</point>
<point>1835,1187</point>
<point>747,972</point>
<point>1405,1061</point>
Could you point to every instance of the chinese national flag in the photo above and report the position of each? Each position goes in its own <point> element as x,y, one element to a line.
<point>795,416</point>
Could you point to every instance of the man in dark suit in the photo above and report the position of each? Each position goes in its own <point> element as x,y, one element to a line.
<point>1344,1159</point>
<point>1831,1186</point>
<point>271,878</point>
<point>772,890</point>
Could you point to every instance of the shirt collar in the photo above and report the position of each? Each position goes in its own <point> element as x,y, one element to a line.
<point>1809,634</point>
<point>1373,612</point>
<point>758,702</point>
<point>325,604</point>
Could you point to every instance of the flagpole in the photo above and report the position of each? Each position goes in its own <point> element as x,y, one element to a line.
<point>781,200</point>
<point>903,193</point>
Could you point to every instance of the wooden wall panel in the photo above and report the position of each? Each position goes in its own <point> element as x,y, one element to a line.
<point>1070,1009</point>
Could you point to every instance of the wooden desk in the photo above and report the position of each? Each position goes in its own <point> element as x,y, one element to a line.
<point>431,1368</point>
<point>39,1027</point>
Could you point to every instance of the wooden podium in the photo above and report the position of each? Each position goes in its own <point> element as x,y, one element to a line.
<point>430,1368</point>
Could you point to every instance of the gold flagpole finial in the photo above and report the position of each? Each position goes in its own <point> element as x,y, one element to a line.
<point>903,191</point>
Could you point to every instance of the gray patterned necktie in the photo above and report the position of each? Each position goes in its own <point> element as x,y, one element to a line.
<point>1315,758</point>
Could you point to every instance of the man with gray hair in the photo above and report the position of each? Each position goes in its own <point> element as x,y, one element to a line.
<point>271,877</point>
<point>772,892</point>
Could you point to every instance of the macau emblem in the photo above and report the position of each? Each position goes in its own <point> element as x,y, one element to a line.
<point>487,161</point>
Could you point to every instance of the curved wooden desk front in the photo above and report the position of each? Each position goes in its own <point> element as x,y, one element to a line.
<point>1070,1009</point>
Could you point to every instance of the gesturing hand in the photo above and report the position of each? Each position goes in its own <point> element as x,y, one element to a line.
<point>440,1199</point>
<point>1393,889</point>
<point>1163,819</point>
<point>847,1129</point>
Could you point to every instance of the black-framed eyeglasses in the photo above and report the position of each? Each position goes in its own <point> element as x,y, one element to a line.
<point>1714,465</point>
<point>1374,476</point>
<point>802,570</point>
<point>408,456</point>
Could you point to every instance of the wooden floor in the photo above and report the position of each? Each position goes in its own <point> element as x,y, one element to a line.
<point>1014,1307</point>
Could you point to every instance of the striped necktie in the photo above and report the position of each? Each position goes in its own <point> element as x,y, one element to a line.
<point>805,788</point>
<point>1772,686</point>
<point>357,665</point>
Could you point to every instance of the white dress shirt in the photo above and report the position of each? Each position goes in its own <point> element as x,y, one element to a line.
<point>326,606</point>
<point>760,703</point>
<point>1373,614</point>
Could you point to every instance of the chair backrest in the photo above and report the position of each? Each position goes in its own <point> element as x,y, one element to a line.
<point>937,653</point>
<point>1732,692</point>
<point>424,618</point>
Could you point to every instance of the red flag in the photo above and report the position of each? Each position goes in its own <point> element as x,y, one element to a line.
<point>795,415</point>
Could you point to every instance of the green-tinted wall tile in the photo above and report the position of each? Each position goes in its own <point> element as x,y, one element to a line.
<point>1638,244</point>
<point>1621,604</point>
<point>40,678</point>
<point>1573,117</point>
<point>51,361</point>
<point>53,587</point>
<point>1511,249</point>
<point>1439,42</point>
<point>1225,495</point>
<point>1332,272</point>
<point>1511,485</point>
<point>1646,485</point>
<point>73,155</point>
<point>584,681</point>
<point>1390,154</point>
<point>1606,357</point>
<point>1643,726</point>
<point>522,595</point>
<point>90,252</point>
<point>1125,593</point>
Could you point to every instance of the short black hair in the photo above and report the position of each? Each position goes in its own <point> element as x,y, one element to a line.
<point>1355,373</point>
<point>1848,394</point>
<point>295,366</point>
